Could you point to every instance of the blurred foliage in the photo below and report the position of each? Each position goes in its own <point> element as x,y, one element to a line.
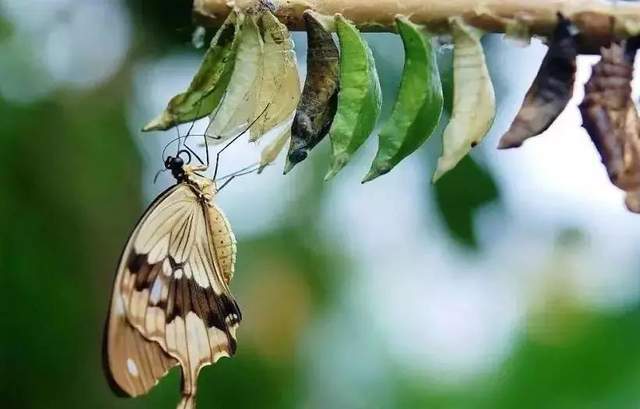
<point>592,368</point>
<point>162,26</point>
<point>460,194</point>
<point>6,29</point>
<point>64,177</point>
<point>71,193</point>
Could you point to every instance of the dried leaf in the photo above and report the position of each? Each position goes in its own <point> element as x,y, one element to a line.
<point>359,98</point>
<point>474,104</point>
<point>418,107</point>
<point>208,85</point>
<point>319,99</point>
<point>551,90</point>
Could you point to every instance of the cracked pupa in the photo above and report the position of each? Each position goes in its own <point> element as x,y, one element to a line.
<point>319,100</point>
<point>611,119</point>
<point>277,89</point>
<point>551,90</point>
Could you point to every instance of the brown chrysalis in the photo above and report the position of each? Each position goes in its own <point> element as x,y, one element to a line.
<point>318,103</point>
<point>551,89</point>
<point>611,118</point>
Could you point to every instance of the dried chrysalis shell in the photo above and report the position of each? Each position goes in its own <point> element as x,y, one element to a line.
<point>551,90</point>
<point>611,118</point>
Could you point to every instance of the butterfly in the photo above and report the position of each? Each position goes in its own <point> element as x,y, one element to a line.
<point>171,304</point>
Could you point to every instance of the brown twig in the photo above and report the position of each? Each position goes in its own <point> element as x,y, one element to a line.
<point>597,19</point>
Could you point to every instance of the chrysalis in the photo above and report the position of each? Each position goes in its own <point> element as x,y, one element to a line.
<point>319,101</point>
<point>551,90</point>
<point>171,304</point>
<point>474,103</point>
<point>359,98</point>
<point>238,105</point>
<point>610,116</point>
<point>417,109</point>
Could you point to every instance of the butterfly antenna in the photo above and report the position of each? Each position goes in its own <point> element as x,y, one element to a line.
<point>155,178</point>
<point>188,155</point>
<point>164,150</point>
<point>184,142</point>
<point>193,123</point>
<point>194,153</point>
<point>215,171</point>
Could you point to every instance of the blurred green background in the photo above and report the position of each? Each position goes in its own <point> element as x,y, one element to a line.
<point>513,283</point>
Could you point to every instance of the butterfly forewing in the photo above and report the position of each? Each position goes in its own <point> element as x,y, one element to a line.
<point>171,302</point>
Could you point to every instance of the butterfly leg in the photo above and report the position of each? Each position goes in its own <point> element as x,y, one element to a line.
<point>235,138</point>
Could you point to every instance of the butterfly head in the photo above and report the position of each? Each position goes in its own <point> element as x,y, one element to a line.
<point>176,165</point>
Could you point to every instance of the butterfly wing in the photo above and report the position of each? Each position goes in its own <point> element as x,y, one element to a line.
<point>171,292</point>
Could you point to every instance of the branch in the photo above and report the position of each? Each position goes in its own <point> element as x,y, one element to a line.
<point>597,19</point>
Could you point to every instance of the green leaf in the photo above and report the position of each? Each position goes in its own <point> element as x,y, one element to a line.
<point>418,107</point>
<point>318,104</point>
<point>208,85</point>
<point>474,104</point>
<point>460,194</point>
<point>359,98</point>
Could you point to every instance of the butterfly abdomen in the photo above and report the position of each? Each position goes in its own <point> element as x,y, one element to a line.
<point>224,242</point>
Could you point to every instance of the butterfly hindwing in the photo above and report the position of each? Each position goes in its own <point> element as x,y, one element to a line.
<point>134,364</point>
<point>172,284</point>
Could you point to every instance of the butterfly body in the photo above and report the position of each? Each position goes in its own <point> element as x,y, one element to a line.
<point>171,304</point>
